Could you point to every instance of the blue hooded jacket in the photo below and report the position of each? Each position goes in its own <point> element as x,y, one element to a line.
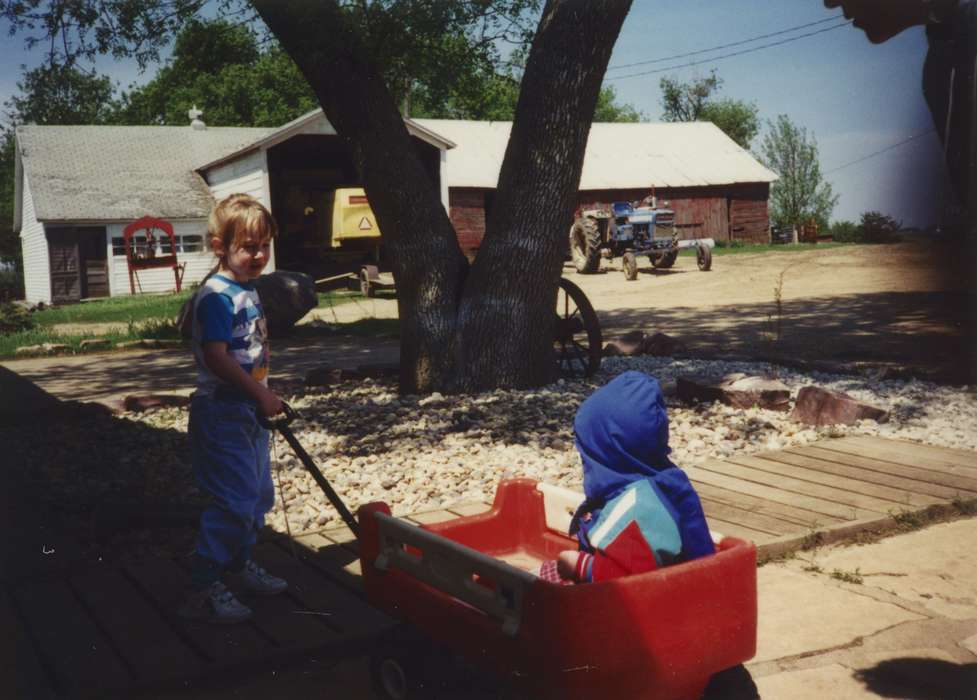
<point>621,432</point>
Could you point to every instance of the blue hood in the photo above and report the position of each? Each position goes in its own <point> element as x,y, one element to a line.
<point>622,435</point>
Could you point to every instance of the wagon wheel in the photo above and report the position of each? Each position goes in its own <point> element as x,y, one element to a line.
<point>703,258</point>
<point>630,266</point>
<point>576,333</point>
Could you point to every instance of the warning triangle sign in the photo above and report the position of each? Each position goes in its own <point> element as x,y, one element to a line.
<point>365,224</point>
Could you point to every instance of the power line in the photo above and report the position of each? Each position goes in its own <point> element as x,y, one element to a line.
<point>728,55</point>
<point>880,152</point>
<point>725,46</point>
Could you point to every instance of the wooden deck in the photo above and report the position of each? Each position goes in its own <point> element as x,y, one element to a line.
<point>98,631</point>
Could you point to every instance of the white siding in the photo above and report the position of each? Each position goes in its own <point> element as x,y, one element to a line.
<point>245,175</point>
<point>33,244</point>
<point>159,279</point>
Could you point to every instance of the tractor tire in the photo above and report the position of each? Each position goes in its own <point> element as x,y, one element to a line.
<point>630,266</point>
<point>703,258</point>
<point>585,245</point>
<point>663,261</point>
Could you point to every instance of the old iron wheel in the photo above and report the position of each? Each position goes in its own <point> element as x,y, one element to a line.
<point>663,261</point>
<point>630,266</point>
<point>577,337</point>
<point>703,258</point>
<point>585,245</point>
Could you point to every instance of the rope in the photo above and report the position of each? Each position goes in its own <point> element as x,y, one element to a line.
<point>281,493</point>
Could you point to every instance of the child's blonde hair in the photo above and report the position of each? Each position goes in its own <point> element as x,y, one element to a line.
<point>235,217</point>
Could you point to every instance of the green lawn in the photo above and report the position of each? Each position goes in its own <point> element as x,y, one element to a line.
<point>766,248</point>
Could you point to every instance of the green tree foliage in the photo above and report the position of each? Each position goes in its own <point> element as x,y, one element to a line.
<point>694,101</point>
<point>846,232</point>
<point>801,194</point>
<point>877,227</point>
<point>220,68</point>
<point>609,110</point>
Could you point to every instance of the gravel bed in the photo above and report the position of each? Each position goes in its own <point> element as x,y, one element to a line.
<point>421,453</point>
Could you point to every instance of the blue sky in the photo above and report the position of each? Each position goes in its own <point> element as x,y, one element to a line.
<point>856,98</point>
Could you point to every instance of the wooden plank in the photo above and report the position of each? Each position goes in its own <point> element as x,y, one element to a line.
<point>430,517</point>
<point>165,584</point>
<point>911,478</point>
<point>837,476</point>
<point>754,504</point>
<point>815,508</point>
<point>758,522</point>
<point>942,455</point>
<point>347,614</point>
<point>896,455</point>
<point>732,529</point>
<point>744,468</point>
<point>337,561</point>
<point>21,673</point>
<point>70,643</point>
<point>146,641</point>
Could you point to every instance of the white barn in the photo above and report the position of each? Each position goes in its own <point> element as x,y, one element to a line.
<point>78,187</point>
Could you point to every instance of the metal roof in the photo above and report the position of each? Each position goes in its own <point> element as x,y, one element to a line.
<point>619,156</point>
<point>316,122</point>
<point>107,173</point>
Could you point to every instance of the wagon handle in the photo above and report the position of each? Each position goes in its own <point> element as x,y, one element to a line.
<point>282,426</point>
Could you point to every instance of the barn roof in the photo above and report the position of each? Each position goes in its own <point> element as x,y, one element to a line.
<point>619,156</point>
<point>106,173</point>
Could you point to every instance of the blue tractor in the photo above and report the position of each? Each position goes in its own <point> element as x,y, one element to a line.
<point>630,230</point>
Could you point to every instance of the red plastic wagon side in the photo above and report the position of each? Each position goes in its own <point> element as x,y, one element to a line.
<point>660,634</point>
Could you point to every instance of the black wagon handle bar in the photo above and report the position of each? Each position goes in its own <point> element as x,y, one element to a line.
<point>282,425</point>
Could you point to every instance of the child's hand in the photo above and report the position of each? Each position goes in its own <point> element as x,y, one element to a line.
<point>269,404</point>
<point>566,564</point>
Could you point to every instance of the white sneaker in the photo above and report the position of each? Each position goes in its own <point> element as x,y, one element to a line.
<point>214,604</point>
<point>254,579</point>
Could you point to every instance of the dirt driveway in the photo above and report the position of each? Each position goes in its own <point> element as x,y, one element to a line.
<point>901,304</point>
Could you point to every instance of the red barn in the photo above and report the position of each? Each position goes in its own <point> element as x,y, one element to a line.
<point>716,188</point>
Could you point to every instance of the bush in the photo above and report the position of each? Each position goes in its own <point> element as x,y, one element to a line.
<point>734,243</point>
<point>846,232</point>
<point>11,285</point>
<point>879,228</point>
<point>15,318</point>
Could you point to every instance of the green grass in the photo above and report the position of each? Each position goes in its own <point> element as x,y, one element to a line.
<point>754,248</point>
<point>151,329</point>
<point>124,309</point>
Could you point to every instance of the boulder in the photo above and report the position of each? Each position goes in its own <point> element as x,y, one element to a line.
<point>627,344</point>
<point>286,297</point>
<point>818,406</point>
<point>640,343</point>
<point>737,390</point>
<point>328,376</point>
<point>663,345</point>
<point>151,402</point>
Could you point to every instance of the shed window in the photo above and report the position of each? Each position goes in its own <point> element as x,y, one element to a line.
<point>190,243</point>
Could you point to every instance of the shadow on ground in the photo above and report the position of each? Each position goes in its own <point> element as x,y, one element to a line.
<point>933,331</point>
<point>921,679</point>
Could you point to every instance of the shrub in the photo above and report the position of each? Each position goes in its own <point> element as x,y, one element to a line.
<point>11,285</point>
<point>15,318</point>
<point>734,243</point>
<point>879,228</point>
<point>846,232</point>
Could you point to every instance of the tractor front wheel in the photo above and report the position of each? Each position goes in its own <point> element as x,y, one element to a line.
<point>663,261</point>
<point>703,258</point>
<point>630,266</point>
<point>585,245</point>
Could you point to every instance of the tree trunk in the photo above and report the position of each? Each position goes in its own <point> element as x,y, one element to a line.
<point>490,327</point>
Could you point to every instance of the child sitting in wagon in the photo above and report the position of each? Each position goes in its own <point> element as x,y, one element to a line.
<point>640,511</point>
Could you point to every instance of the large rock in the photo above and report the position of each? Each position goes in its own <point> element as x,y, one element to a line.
<point>818,406</point>
<point>286,297</point>
<point>639,343</point>
<point>737,390</point>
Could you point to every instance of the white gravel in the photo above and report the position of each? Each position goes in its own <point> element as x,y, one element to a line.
<point>422,453</point>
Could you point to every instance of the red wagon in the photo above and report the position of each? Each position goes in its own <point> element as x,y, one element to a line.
<point>468,585</point>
